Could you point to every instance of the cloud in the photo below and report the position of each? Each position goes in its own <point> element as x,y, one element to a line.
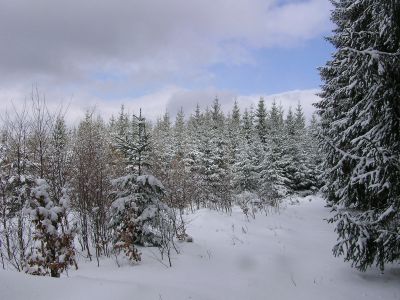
<point>188,99</point>
<point>100,53</point>
<point>144,42</point>
<point>75,106</point>
<point>287,99</point>
<point>154,105</point>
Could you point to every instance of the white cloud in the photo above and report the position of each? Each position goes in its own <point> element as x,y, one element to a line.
<point>55,42</point>
<point>154,105</point>
<point>287,99</point>
<point>188,100</point>
<point>75,106</point>
<point>68,47</point>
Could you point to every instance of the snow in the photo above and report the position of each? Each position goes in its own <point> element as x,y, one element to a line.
<point>284,255</point>
<point>120,203</point>
<point>151,180</point>
<point>386,213</point>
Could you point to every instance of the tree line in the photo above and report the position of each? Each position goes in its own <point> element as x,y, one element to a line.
<point>108,186</point>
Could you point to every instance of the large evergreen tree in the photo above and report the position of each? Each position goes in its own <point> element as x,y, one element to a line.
<point>360,116</point>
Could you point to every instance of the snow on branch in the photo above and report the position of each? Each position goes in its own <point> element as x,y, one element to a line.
<point>373,52</point>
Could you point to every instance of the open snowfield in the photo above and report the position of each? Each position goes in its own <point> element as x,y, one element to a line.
<point>285,255</point>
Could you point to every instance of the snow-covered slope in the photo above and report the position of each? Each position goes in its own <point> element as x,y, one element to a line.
<point>285,255</point>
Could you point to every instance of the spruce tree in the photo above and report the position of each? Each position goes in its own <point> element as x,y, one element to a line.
<point>135,146</point>
<point>261,120</point>
<point>247,125</point>
<point>360,118</point>
<point>246,169</point>
<point>194,154</point>
<point>137,211</point>
<point>274,182</point>
<point>123,217</point>
<point>290,122</point>
<point>291,154</point>
<point>180,184</point>
<point>233,132</point>
<point>300,166</point>
<point>180,134</point>
<point>300,120</point>
<point>236,114</point>
<point>54,250</point>
<point>162,149</point>
<point>314,154</point>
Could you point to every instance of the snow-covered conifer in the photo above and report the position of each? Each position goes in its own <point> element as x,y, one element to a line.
<point>53,251</point>
<point>261,120</point>
<point>361,130</point>
<point>274,184</point>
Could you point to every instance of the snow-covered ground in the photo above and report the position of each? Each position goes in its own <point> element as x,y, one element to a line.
<point>285,255</point>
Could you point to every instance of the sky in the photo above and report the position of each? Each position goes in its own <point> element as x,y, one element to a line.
<point>161,55</point>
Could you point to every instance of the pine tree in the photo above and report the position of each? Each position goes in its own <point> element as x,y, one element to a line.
<point>300,120</point>
<point>179,134</point>
<point>137,211</point>
<point>123,217</point>
<point>261,120</point>
<point>274,182</point>
<point>246,169</point>
<point>361,130</point>
<point>121,125</point>
<point>54,250</point>
<point>233,132</point>
<point>194,155</point>
<point>206,165</point>
<point>181,183</point>
<point>162,150</point>
<point>118,130</point>
<point>300,168</point>
<point>247,125</point>
<point>213,159</point>
<point>314,154</point>
<point>218,171</point>
<point>291,154</point>
<point>136,145</point>
<point>290,122</point>
<point>236,114</point>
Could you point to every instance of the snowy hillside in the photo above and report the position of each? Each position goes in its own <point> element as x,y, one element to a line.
<point>285,255</point>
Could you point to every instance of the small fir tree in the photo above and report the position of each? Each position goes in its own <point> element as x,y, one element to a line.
<point>54,250</point>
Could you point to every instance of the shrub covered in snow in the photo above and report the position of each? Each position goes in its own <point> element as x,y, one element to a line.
<point>249,202</point>
<point>53,251</point>
<point>138,216</point>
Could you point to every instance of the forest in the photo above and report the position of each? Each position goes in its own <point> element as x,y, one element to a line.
<point>114,184</point>
<point>238,204</point>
